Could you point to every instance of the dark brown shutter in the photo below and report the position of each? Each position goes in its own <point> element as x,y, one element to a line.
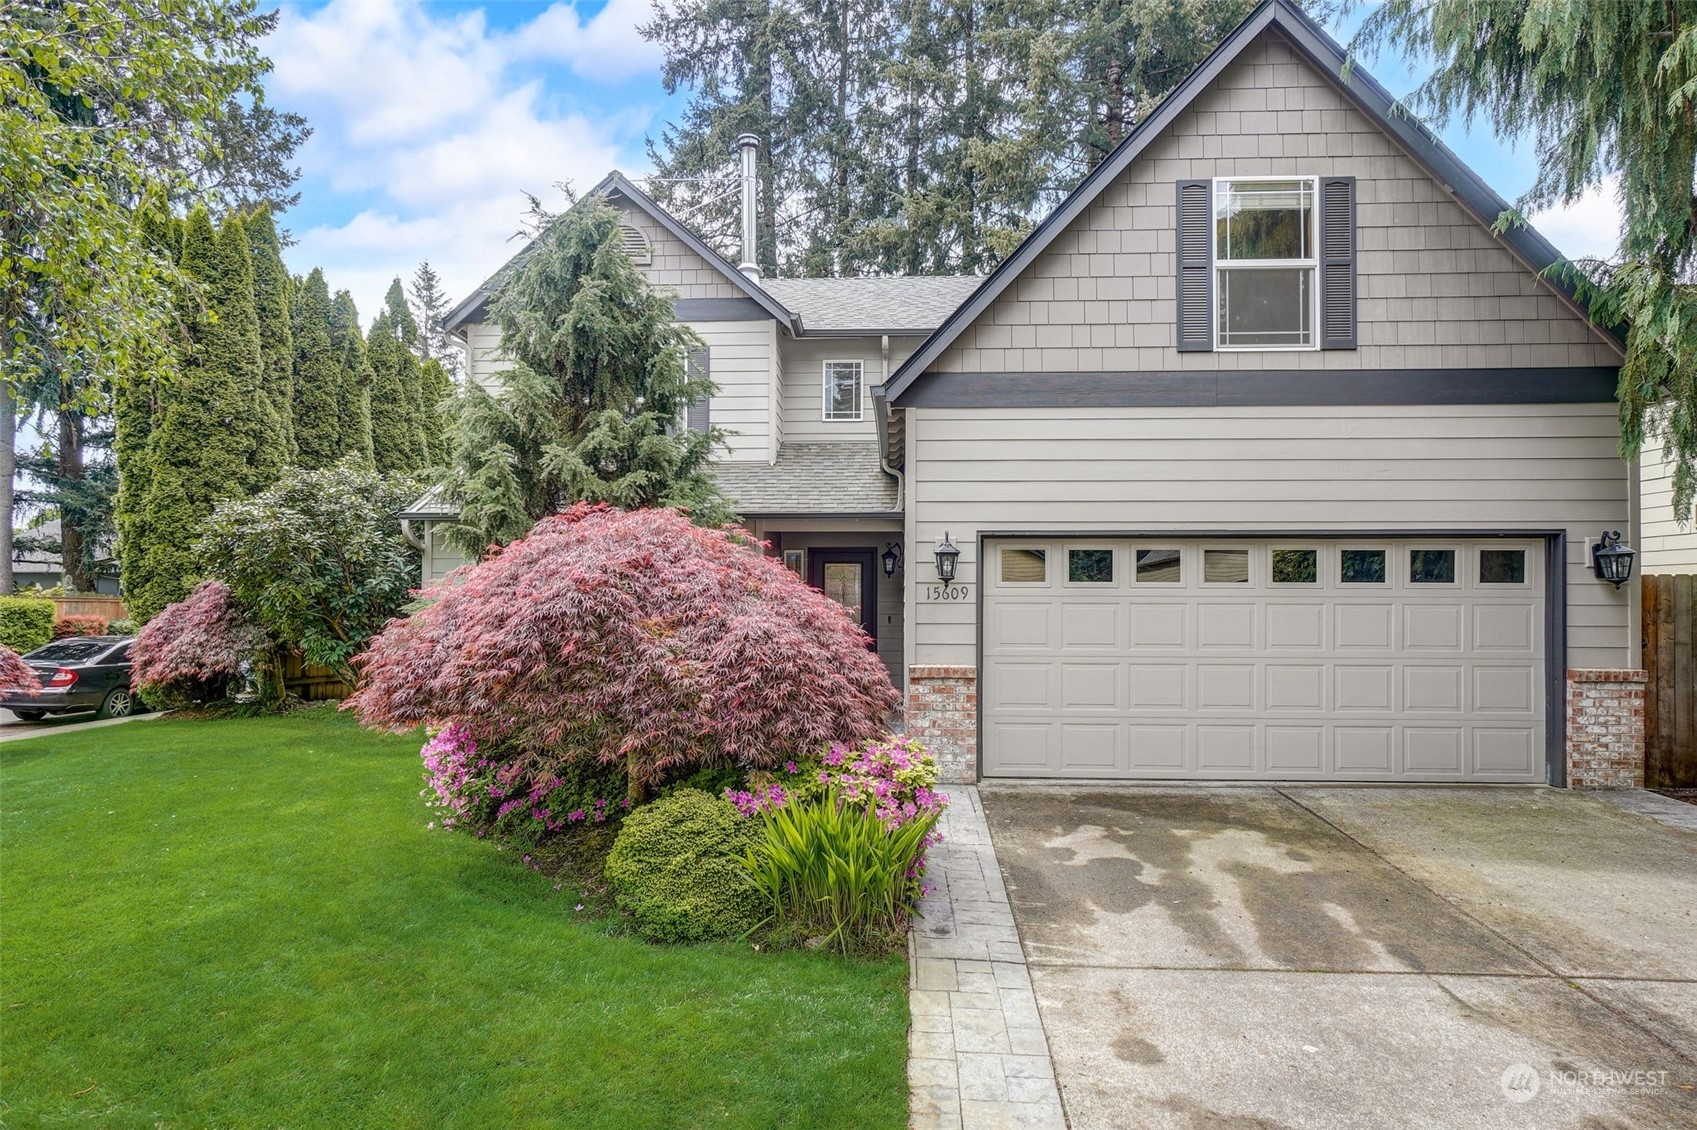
<point>1337,263</point>
<point>698,417</point>
<point>1195,265</point>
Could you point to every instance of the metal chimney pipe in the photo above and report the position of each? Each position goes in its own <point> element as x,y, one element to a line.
<point>747,145</point>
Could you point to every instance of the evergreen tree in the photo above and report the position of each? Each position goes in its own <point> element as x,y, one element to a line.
<point>589,410</point>
<point>430,304</point>
<point>400,315</point>
<point>436,390</point>
<point>396,444</point>
<point>271,299</point>
<point>215,435</point>
<point>353,379</point>
<point>317,377</point>
<point>408,375</point>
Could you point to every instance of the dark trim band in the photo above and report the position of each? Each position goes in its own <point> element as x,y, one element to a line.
<point>719,310</point>
<point>1263,388</point>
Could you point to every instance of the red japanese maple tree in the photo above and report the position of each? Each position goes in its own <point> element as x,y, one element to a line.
<point>16,676</point>
<point>630,636</point>
<point>192,649</point>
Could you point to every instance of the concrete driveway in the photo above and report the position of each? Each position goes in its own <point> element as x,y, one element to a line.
<point>1323,957</point>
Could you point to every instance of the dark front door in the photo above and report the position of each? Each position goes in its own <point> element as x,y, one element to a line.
<point>846,576</point>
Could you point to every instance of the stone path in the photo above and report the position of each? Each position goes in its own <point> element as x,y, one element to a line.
<point>1674,813</point>
<point>977,1056</point>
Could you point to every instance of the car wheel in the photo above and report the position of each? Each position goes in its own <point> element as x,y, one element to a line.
<point>30,715</point>
<point>117,704</point>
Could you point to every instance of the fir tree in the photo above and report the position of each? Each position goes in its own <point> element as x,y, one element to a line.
<point>353,379</point>
<point>271,299</point>
<point>588,412</point>
<point>430,304</point>
<point>317,377</point>
<point>215,435</point>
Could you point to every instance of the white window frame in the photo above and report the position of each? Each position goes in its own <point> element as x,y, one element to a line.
<point>1221,192</point>
<point>859,390</point>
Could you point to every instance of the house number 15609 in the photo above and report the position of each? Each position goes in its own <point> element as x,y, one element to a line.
<point>947,592</point>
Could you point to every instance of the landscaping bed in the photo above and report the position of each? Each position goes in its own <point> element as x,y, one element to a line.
<point>247,921</point>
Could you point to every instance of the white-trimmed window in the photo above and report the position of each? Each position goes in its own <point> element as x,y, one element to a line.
<point>1265,262</point>
<point>844,388</point>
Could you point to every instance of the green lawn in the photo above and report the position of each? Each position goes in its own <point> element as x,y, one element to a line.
<point>246,923</point>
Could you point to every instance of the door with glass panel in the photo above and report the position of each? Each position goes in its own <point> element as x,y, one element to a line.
<point>846,576</point>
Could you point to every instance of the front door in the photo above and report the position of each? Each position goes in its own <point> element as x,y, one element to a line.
<point>846,576</point>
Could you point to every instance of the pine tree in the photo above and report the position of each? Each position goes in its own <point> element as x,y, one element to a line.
<point>271,298</point>
<point>215,435</point>
<point>353,379</point>
<point>317,377</point>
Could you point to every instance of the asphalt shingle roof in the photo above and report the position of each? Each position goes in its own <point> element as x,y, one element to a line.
<point>917,305</point>
<point>812,478</point>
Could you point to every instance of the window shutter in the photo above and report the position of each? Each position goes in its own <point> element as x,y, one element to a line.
<point>1337,263</point>
<point>698,417</point>
<point>1195,265</point>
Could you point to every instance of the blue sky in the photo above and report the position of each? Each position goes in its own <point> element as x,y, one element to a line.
<point>432,119</point>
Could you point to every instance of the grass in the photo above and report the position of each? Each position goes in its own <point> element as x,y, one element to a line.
<point>246,923</point>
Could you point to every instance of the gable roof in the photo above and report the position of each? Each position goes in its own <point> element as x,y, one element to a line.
<point>912,304</point>
<point>1330,59</point>
<point>616,184</point>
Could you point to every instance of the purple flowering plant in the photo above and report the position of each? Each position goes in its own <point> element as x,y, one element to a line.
<point>477,789</point>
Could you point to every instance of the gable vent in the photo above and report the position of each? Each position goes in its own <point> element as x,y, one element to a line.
<point>1337,263</point>
<point>636,245</point>
<point>1195,265</point>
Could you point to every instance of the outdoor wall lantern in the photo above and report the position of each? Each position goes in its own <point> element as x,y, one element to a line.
<point>892,559</point>
<point>947,554</point>
<point>1611,560</point>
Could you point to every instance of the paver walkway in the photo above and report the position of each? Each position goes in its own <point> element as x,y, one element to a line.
<point>1664,809</point>
<point>977,1056</point>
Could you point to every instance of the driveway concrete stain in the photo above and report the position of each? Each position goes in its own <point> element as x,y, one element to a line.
<point>1130,1048</point>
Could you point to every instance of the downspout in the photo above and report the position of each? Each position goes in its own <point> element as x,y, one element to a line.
<point>412,538</point>
<point>881,413</point>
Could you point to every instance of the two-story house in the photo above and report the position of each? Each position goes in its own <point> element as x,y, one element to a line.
<point>1265,459</point>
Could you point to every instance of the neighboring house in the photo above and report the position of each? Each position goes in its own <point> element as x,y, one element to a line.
<point>1265,458</point>
<point>37,562</point>
<point>1668,546</point>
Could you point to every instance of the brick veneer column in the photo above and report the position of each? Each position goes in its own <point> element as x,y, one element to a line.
<point>942,712</point>
<point>1605,729</point>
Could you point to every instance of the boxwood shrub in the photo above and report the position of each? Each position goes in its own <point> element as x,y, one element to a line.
<point>674,869</point>
<point>25,622</point>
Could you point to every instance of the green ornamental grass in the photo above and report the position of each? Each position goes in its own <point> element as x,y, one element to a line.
<point>246,922</point>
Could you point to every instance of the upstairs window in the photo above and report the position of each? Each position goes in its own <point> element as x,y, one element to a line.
<point>1265,262</point>
<point>843,390</point>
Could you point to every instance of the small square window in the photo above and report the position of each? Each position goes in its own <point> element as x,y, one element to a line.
<point>842,390</point>
<point>1160,566</point>
<point>1090,566</point>
<point>1362,566</point>
<point>1225,566</point>
<point>1431,566</point>
<point>1296,566</point>
<point>1025,566</point>
<point>1502,566</point>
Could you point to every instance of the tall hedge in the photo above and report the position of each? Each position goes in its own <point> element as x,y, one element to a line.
<point>271,300</point>
<point>353,388</point>
<point>25,622</point>
<point>395,440</point>
<point>317,377</point>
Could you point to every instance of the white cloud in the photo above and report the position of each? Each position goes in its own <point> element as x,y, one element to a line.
<point>1588,228</point>
<point>429,128</point>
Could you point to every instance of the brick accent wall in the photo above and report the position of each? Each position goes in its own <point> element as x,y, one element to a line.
<point>1605,729</point>
<point>942,712</point>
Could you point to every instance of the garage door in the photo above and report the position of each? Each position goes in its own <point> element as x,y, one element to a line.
<point>1348,660</point>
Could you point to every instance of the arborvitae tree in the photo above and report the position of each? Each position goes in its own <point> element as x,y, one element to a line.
<point>588,412</point>
<point>353,388</point>
<point>271,299</point>
<point>215,435</point>
<point>396,444</point>
<point>408,376</point>
<point>436,389</point>
<point>317,378</point>
<point>400,315</point>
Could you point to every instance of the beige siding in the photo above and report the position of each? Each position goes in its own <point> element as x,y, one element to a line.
<point>1667,546</point>
<point>483,353</point>
<point>804,383</point>
<point>741,362</point>
<point>1437,290</point>
<point>1241,469</point>
<point>440,558</point>
<point>675,267</point>
<point>890,619</point>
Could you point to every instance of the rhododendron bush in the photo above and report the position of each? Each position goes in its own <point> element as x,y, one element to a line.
<point>16,676</point>
<point>631,637</point>
<point>193,650</point>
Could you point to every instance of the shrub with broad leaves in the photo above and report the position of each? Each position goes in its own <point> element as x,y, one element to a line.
<point>195,650</point>
<point>16,676</point>
<point>66,626</point>
<point>633,638</point>
<point>480,791</point>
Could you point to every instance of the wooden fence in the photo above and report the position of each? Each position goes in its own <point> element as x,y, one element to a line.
<point>1670,696</point>
<point>312,683</point>
<point>89,604</point>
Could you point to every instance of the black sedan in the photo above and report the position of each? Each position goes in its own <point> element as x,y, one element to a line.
<point>78,673</point>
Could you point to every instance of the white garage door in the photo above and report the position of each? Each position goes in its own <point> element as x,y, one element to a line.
<point>1357,660</point>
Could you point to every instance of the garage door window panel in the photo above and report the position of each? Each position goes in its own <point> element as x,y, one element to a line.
<point>1295,566</point>
<point>1025,566</point>
<point>1160,566</point>
<point>1225,566</point>
<point>1431,566</point>
<point>1090,566</point>
<point>1362,566</point>
<point>1502,566</point>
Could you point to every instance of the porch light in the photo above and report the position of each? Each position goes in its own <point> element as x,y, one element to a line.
<point>947,554</point>
<point>1611,560</point>
<point>892,557</point>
